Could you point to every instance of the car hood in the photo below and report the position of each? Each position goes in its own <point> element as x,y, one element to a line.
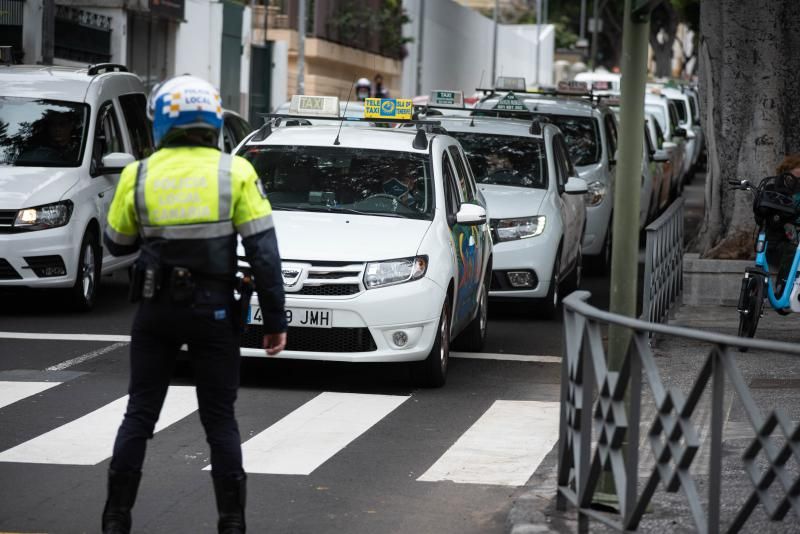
<point>508,202</point>
<point>24,187</point>
<point>308,236</point>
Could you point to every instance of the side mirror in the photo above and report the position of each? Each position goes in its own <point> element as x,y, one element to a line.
<point>660,156</point>
<point>576,186</point>
<point>679,132</point>
<point>471,215</point>
<point>114,163</point>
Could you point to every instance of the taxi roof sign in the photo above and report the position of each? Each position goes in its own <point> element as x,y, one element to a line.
<point>449,99</point>
<point>388,108</point>
<point>317,106</point>
<point>509,83</point>
<point>572,87</point>
<point>510,102</point>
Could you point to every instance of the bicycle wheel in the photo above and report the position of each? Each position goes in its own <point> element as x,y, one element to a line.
<point>751,302</point>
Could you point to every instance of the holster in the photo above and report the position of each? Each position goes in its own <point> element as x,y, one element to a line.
<point>145,282</point>
<point>245,288</point>
<point>181,285</point>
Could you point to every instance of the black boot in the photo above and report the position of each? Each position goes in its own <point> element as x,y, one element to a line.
<point>231,494</point>
<point>122,489</point>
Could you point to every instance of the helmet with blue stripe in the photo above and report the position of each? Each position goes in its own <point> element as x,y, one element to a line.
<point>184,102</point>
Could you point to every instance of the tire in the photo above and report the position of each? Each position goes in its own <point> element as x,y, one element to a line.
<point>432,371</point>
<point>473,337</point>
<point>548,306</point>
<point>601,264</point>
<point>752,302</point>
<point>87,277</point>
<point>573,281</point>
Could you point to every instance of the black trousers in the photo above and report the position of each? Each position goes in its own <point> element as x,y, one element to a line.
<point>208,328</point>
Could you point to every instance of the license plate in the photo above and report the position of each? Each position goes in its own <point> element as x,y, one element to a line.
<point>304,317</point>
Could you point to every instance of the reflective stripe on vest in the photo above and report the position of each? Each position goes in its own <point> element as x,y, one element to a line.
<point>204,230</point>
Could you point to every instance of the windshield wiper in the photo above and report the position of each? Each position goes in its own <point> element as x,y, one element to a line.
<point>358,212</point>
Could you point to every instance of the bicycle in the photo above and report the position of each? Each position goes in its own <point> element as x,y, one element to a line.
<point>774,209</point>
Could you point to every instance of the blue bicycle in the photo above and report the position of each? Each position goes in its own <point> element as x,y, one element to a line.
<point>776,212</point>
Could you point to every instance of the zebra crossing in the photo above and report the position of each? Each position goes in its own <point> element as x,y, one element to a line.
<point>503,446</point>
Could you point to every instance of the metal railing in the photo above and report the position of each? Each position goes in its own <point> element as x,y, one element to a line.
<point>663,264</point>
<point>598,432</point>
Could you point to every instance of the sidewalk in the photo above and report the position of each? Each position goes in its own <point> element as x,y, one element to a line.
<point>774,381</point>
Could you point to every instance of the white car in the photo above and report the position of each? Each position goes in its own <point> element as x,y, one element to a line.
<point>688,122</point>
<point>590,132</point>
<point>385,245</point>
<point>67,134</point>
<point>674,136</point>
<point>536,201</point>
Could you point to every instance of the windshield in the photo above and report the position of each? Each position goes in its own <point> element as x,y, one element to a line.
<point>658,113</point>
<point>581,136</point>
<point>41,133</point>
<point>680,106</point>
<point>505,159</point>
<point>348,180</point>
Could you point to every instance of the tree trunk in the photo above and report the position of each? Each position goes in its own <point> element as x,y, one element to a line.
<point>749,78</point>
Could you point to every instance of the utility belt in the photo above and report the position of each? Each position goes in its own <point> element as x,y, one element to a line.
<point>177,285</point>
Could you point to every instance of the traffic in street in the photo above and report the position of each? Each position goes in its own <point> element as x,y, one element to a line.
<point>412,464</point>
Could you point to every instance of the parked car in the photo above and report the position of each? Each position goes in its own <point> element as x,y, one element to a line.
<point>385,242</point>
<point>536,201</point>
<point>590,133</point>
<point>674,137</point>
<point>67,134</point>
<point>234,130</point>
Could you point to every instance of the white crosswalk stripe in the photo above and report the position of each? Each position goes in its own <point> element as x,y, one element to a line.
<point>89,439</point>
<point>315,432</point>
<point>12,391</point>
<point>504,447</point>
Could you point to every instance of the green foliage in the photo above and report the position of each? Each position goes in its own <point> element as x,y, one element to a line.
<point>355,26</point>
<point>688,12</point>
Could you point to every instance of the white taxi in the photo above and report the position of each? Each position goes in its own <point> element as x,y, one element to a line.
<point>384,240</point>
<point>532,190</point>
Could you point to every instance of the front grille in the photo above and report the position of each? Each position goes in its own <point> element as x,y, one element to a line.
<point>329,290</point>
<point>7,272</point>
<point>45,266</point>
<point>315,339</point>
<point>7,220</point>
<point>333,275</point>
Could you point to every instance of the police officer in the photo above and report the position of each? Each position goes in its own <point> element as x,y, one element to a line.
<point>183,207</point>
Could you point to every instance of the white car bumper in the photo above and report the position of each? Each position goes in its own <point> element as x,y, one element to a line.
<point>362,326</point>
<point>41,248</point>
<point>536,254</point>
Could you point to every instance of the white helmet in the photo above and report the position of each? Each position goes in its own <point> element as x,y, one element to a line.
<point>363,89</point>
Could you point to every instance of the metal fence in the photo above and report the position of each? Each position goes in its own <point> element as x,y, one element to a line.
<point>663,264</point>
<point>598,432</point>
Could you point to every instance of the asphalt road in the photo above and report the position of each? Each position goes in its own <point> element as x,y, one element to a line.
<point>335,447</point>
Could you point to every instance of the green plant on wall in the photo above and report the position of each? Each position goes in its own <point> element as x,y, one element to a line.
<point>354,25</point>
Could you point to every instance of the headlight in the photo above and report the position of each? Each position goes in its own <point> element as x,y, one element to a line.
<point>387,273</point>
<point>596,193</point>
<point>44,217</point>
<point>523,228</point>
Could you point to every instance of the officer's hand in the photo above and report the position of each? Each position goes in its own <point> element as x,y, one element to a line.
<point>274,343</point>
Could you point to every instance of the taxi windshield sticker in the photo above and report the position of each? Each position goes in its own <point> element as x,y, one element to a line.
<point>510,102</point>
<point>388,108</point>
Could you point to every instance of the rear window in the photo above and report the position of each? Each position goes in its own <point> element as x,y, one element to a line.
<point>42,133</point>
<point>344,179</point>
<point>505,159</point>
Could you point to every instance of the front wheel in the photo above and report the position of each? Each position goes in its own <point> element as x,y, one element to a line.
<point>432,371</point>
<point>751,303</point>
<point>88,273</point>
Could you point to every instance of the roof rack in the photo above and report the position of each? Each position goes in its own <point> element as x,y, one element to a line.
<point>538,120</point>
<point>102,68</point>
<point>423,126</point>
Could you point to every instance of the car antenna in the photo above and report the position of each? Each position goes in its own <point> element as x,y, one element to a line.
<point>344,113</point>
<point>480,84</point>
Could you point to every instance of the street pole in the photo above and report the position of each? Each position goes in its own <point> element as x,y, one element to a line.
<point>494,42</point>
<point>625,245</point>
<point>583,20</point>
<point>301,47</point>
<point>421,23</point>
<point>595,31</point>
<point>538,38</point>
<point>48,31</point>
